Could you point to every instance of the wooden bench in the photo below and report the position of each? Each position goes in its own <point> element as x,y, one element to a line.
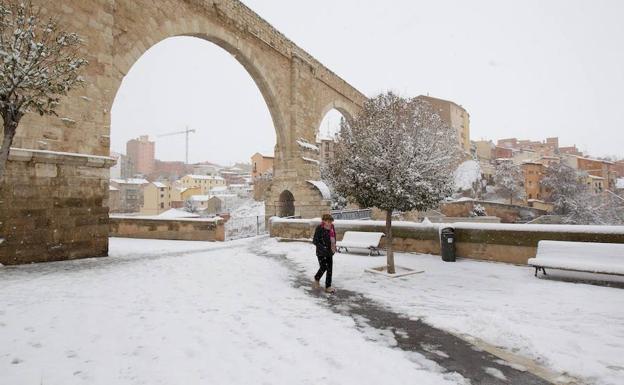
<point>603,258</point>
<point>360,240</point>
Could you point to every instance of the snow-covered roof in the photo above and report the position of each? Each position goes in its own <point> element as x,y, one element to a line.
<point>322,187</point>
<point>130,181</point>
<point>225,196</point>
<point>199,198</point>
<point>595,177</point>
<point>204,177</point>
<point>595,160</point>
<point>310,160</point>
<point>113,188</point>
<point>307,145</point>
<point>619,183</point>
<point>159,184</point>
<point>176,213</point>
<point>219,188</point>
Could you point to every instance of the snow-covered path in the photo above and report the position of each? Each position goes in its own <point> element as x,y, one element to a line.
<point>166,312</point>
<point>567,327</point>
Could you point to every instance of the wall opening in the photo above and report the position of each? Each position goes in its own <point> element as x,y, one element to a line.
<point>183,90</point>
<point>286,204</point>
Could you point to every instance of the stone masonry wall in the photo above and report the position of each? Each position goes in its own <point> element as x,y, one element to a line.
<point>178,229</point>
<point>493,242</point>
<point>51,207</point>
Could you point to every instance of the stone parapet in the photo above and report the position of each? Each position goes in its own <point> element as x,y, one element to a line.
<point>172,229</point>
<point>486,241</point>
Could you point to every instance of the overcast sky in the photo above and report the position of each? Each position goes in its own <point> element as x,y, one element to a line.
<point>528,69</point>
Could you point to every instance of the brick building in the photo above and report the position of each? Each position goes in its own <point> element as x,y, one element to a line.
<point>596,167</point>
<point>455,116</point>
<point>141,152</point>
<point>533,175</point>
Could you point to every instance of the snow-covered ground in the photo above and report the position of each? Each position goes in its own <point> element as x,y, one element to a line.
<point>175,312</point>
<point>568,327</point>
<point>249,208</point>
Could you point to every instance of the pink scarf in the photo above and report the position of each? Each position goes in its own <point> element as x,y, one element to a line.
<point>332,230</point>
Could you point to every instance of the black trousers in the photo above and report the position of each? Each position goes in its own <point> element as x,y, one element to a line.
<point>325,265</point>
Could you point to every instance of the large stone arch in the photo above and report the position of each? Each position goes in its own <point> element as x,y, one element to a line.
<point>54,194</point>
<point>129,49</point>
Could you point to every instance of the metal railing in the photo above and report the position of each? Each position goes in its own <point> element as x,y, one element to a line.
<point>352,214</point>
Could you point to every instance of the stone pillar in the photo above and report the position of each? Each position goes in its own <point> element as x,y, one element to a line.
<point>52,207</point>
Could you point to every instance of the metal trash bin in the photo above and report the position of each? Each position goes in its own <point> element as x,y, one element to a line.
<point>447,244</point>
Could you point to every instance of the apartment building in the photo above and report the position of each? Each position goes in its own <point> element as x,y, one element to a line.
<point>156,198</point>
<point>141,152</point>
<point>204,182</point>
<point>130,193</point>
<point>455,116</point>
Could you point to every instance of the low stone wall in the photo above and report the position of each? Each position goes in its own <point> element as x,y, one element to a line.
<point>510,243</point>
<point>188,229</point>
<point>52,207</point>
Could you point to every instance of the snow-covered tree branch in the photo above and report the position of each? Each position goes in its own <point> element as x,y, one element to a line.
<point>574,201</point>
<point>39,63</point>
<point>397,154</point>
<point>509,180</point>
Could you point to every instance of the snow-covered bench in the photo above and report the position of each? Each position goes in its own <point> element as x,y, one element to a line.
<point>603,258</point>
<point>360,240</point>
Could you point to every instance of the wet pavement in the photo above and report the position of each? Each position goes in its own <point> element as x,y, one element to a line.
<point>449,351</point>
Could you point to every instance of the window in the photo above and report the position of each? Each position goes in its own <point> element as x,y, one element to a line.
<point>162,205</point>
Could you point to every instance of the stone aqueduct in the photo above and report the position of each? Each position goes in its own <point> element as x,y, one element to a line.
<point>52,202</point>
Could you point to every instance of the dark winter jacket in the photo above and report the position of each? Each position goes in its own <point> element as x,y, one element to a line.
<point>322,241</point>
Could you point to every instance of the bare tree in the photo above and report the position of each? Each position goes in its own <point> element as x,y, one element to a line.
<point>397,154</point>
<point>509,180</point>
<point>576,203</point>
<point>39,63</point>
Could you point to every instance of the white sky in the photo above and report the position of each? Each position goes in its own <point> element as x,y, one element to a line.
<point>529,69</point>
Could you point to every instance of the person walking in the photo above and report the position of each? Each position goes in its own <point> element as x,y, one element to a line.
<point>325,242</point>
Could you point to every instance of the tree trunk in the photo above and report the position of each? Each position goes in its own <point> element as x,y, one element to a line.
<point>389,249</point>
<point>9,133</point>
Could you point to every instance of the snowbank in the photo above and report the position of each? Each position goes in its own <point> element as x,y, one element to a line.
<point>164,315</point>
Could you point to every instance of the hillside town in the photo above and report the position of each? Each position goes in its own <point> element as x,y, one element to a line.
<point>142,185</point>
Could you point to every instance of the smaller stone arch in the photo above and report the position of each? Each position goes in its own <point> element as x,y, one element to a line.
<point>346,109</point>
<point>286,204</point>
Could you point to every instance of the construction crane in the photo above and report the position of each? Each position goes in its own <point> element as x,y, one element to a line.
<point>185,132</point>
